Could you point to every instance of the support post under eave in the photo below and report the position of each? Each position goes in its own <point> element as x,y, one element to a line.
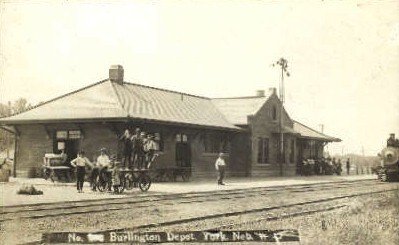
<point>16,134</point>
<point>48,133</point>
<point>16,138</point>
<point>14,170</point>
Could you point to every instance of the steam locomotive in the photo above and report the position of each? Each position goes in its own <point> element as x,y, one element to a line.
<point>389,170</point>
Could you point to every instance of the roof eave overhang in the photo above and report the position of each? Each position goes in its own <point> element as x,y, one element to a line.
<point>191,125</point>
<point>65,120</point>
<point>320,139</point>
<point>117,119</point>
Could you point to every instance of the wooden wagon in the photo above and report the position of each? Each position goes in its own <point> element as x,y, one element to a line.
<point>54,168</point>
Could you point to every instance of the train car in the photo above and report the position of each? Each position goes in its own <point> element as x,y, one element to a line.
<point>389,170</point>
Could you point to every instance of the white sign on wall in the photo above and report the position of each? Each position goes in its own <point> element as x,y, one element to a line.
<point>61,145</point>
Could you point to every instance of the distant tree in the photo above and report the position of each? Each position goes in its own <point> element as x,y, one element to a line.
<point>18,106</point>
<point>5,109</point>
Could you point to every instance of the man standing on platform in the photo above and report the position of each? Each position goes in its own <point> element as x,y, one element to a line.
<point>220,166</point>
<point>150,148</point>
<point>136,146</point>
<point>127,149</point>
<point>348,166</point>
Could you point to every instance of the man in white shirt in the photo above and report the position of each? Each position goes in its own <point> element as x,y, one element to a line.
<point>103,160</point>
<point>103,163</point>
<point>150,148</point>
<point>220,166</point>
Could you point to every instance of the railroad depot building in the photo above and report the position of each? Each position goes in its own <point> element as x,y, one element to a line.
<point>190,130</point>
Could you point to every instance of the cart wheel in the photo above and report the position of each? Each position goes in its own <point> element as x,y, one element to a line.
<point>144,183</point>
<point>102,184</point>
<point>52,176</point>
<point>185,176</point>
<point>46,174</point>
<point>119,189</point>
<point>129,182</point>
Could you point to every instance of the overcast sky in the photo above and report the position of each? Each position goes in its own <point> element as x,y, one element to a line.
<point>343,55</point>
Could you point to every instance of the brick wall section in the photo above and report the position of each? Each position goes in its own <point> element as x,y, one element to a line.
<point>240,155</point>
<point>262,125</point>
<point>32,144</point>
<point>97,136</point>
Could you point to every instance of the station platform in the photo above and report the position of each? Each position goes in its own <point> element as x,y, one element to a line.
<point>54,192</point>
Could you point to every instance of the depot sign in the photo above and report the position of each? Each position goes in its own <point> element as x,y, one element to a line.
<point>173,237</point>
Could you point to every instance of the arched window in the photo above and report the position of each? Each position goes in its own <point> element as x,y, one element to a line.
<point>274,112</point>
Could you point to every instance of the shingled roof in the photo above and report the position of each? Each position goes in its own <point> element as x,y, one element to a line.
<point>110,100</point>
<point>238,109</point>
<point>307,132</point>
<point>107,100</point>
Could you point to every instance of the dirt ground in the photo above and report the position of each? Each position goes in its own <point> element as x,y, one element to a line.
<point>51,191</point>
<point>27,230</point>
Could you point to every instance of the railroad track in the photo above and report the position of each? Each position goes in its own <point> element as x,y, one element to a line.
<point>307,209</point>
<point>144,201</point>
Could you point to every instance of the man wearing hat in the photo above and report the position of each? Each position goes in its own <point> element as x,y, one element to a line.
<point>220,166</point>
<point>103,159</point>
<point>127,148</point>
<point>142,150</point>
<point>104,163</point>
<point>150,147</point>
<point>136,146</point>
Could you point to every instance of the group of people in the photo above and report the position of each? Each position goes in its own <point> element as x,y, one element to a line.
<point>322,166</point>
<point>138,149</point>
<point>103,164</point>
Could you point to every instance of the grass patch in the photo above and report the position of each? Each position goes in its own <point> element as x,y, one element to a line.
<point>370,219</point>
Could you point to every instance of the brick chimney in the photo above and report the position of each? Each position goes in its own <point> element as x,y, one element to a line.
<point>273,90</point>
<point>116,73</point>
<point>260,93</point>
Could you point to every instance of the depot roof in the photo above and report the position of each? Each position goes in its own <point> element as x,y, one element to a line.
<point>108,100</point>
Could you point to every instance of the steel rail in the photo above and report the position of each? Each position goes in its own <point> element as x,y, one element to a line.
<point>256,210</point>
<point>122,204</point>
<point>147,198</point>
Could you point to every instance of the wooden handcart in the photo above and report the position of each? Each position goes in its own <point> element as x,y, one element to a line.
<point>172,174</point>
<point>54,167</point>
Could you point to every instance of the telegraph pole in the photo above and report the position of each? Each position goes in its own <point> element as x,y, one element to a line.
<point>283,63</point>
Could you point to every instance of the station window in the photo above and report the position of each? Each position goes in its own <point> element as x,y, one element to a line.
<point>74,134</point>
<point>263,150</point>
<point>181,138</point>
<point>62,134</point>
<point>274,112</point>
<point>65,134</point>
